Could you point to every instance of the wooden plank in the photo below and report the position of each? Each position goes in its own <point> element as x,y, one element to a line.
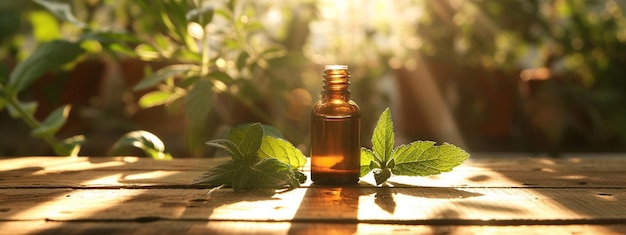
<point>461,177</point>
<point>235,228</point>
<point>602,171</point>
<point>103,163</point>
<point>542,206</point>
<point>538,195</point>
<point>101,178</point>
<point>478,162</point>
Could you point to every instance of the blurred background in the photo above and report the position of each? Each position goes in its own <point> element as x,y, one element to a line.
<point>536,76</point>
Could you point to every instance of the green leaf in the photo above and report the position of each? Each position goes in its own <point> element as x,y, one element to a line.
<point>253,26</point>
<point>3,103</point>
<point>383,137</point>
<point>198,113</point>
<point>272,131</point>
<point>147,52</point>
<point>220,175</point>
<point>115,41</point>
<point>259,161</point>
<point>300,177</point>
<point>188,81</point>
<point>231,5</point>
<point>198,103</point>
<point>381,175</point>
<point>405,153</point>
<point>48,56</point>
<point>367,158</point>
<point>421,158</point>
<point>121,49</point>
<point>274,52</point>
<point>162,74</point>
<point>237,132</point>
<point>188,55</point>
<point>110,37</point>
<point>157,155</point>
<point>53,122</point>
<point>162,42</point>
<point>251,141</point>
<point>156,98</point>
<point>28,107</point>
<point>228,146</point>
<point>391,164</point>
<point>232,44</point>
<point>45,26</point>
<point>272,173</point>
<point>242,178</point>
<point>266,173</point>
<point>63,11</point>
<point>242,60</point>
<point>374,165</point>
<point>146,141</point>
<point>221,76</point>
<point>282,150</point>
<point>73,144</point>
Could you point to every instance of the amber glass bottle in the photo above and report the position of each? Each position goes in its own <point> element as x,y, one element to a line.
<point>335,131</point>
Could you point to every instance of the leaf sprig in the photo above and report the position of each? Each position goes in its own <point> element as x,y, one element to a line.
<point>258,161</point>
<point>419,158</point>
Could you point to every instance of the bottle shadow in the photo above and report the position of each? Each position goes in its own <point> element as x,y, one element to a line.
<point>335,210</point>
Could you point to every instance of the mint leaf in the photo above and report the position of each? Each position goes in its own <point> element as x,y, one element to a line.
<point>404,153</point>
<point>242,177</point>
<point>198,102</point>
<point>259,161</point>
<point>53,122</point>
<point>420,158</point>
<point>237,132</point>
<point>47,56</point>
<point>28,107</point>
<point>163,74</point>
<point>149,143</point>
<point>281,150</point>
<point>73,144</point>
<point>423,159</point>
<point>272,145</point>
<point>63,11</point>
<point>227,146</point>
<point>272,173</point>
<point>251,141</point>
<point>381,175</point>
<point>367,160</point>
<point>383,137</point>
<point>300,177</point>
<point>219,175</point>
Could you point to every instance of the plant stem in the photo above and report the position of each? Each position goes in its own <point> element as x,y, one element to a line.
<point>28,118</point>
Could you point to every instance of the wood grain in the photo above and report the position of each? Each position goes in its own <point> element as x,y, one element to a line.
<point>376,205</point>
<point>37,172</point>
<point>122,195</point>
<point>235,228</point>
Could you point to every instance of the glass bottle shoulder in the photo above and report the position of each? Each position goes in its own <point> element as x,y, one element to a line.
<point>336,109</point>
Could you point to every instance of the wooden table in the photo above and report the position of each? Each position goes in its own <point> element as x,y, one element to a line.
<point>500,194</point>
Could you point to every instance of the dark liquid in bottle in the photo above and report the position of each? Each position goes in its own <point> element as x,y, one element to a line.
<point>335,150</point>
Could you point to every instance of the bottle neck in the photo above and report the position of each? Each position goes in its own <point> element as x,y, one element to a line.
<point>336,83</point>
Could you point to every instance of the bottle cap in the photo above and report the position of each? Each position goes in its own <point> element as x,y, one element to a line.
<point>335,67</point>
